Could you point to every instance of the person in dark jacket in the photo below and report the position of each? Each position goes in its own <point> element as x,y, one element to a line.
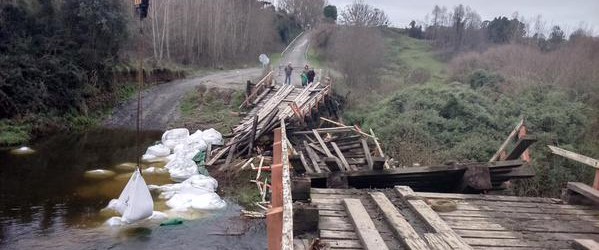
<point>311,74</point>
<point>288,71</point>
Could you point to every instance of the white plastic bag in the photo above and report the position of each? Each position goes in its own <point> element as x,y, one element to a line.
<point>213,137</point>
<point>135,202</point>
<point>159,150</point>
<point>174,137</point>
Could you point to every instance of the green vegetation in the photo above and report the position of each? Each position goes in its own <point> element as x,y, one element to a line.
<point>211,108</point>
<point>425,116</point>
<point>407,56</point>
<point>11,134</point>
<point>315,59</point>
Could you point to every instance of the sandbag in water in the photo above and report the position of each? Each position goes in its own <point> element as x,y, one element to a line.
<point>135,202</point>
<point>22,151</point>
<point>98,174</point>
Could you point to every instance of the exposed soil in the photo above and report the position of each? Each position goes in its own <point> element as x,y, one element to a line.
<point>160,103</point>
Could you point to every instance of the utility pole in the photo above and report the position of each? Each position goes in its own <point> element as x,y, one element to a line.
<point>141,9</point>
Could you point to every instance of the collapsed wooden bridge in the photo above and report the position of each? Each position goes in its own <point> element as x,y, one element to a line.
<point>315,170</point>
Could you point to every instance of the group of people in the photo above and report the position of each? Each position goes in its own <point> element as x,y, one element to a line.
<point>307,75</point>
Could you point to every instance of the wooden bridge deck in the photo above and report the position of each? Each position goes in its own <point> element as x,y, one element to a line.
<point>403,219</point>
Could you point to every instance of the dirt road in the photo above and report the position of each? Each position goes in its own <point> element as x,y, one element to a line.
<point>297,56</point>
<point>161,102</point>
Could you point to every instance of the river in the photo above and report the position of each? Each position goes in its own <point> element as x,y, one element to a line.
<point>47,203</point>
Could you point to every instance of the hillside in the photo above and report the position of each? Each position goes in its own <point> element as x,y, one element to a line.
<point>424,117</point>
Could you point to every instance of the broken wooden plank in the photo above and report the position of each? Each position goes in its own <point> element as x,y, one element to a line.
<point>305,163</point>
<point>507,141</point>
<point>574,156</point>
<point>253,135</point>
<point>319,149</point>
<point>343,125</point>
<point>584,190</point>
<point>521,145</point>
<point>436,242</point>
<point>334,164</point>
<point>297,164</point>
<point>585,244</point>
<point>432,219</point>
<point>365,228</point>
<point>402,228</point>
<point>322,144</point>
<point>341,157</point>
<point>367,154</point>
<point>313,158</point>
<point>378,147</point>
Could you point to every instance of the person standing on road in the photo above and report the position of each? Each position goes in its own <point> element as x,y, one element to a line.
<point>288,71</point>
<point>311,74</point>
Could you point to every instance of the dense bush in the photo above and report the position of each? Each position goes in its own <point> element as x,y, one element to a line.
<point>56,54</point>
<point>435,123</point>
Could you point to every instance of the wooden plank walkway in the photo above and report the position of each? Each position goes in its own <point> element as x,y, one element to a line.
<point>405,219</point>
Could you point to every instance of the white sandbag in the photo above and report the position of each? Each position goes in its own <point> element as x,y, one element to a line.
<point>119,221</point>
<point>197,146</point>
<point>182,174</point>
<point>158,216</point>
<point>187,151</point>
<point>98,174</point>
<point>209,201</point>
<point>174,137</point>
<point>213,137</point>
<point>115,221</point>
<point>148,157</point>
<point>159,150</point>
<point>154,170</point>
<point>196,136</point>
<point>202,182</point>
<point>135,202</point>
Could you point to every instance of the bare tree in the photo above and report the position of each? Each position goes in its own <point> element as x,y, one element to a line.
<point>210,32</point>
<point>308,12</point>
<point>361,14</point>
<point>359,59</point>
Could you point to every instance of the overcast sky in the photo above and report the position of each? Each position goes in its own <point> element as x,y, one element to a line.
<point>569,14</point>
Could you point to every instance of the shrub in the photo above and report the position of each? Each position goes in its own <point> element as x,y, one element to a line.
<point>434,123</point>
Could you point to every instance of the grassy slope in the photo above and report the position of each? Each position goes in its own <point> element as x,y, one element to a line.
<point>430,120</point>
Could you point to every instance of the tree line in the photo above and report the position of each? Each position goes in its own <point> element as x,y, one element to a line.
<point>461,29</point>
<point>62,58</point>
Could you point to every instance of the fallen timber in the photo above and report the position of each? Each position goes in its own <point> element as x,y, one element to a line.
<point>344,155</point>
<point>271,105</point>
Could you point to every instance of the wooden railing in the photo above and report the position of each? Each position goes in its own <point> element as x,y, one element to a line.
<point>259,88</point>
<point>279,217</point>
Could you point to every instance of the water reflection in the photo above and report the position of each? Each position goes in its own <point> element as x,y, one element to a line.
<point>47,203</point>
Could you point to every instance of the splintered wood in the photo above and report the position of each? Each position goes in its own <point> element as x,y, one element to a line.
<point>345,148</point>
<point>271,105</point>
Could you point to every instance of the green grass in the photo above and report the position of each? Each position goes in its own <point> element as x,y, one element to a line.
<point>189,104</point>
<point>406,55</point>
<point>210,109</point>
<point>13,134</point>
<point>275,59</point>
<point>315,59</point>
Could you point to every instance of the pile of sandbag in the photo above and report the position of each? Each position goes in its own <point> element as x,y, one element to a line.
<point>195,191</point>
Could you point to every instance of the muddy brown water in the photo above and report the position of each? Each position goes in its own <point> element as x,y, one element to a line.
<point>47,203</point>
